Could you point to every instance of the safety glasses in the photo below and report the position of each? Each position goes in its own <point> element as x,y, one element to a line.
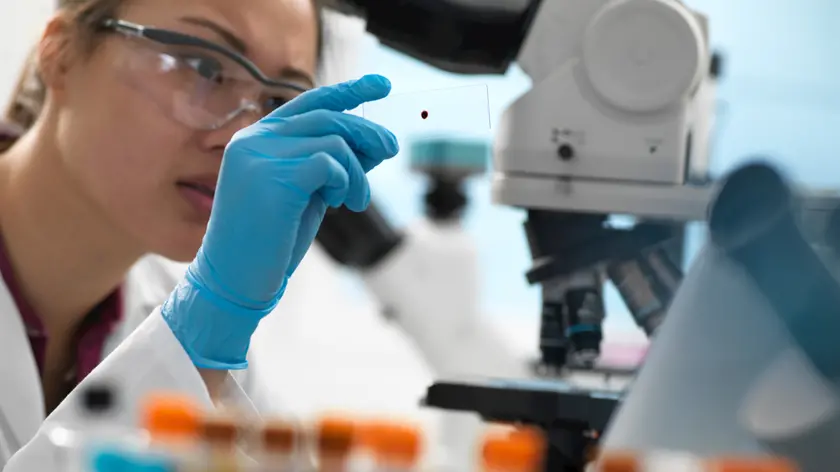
<point>197,82</point>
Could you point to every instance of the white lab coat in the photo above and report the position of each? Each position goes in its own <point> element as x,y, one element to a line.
<point>142,356</point>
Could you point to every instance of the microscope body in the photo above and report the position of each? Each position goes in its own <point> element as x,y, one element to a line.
<point>618,122</point>
<point>617,119</point>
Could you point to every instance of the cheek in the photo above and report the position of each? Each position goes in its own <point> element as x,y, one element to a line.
<point>120,150</point>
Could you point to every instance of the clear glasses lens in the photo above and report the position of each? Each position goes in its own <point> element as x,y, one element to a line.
<point>198,87</point>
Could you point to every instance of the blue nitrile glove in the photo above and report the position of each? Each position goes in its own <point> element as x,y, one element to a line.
<point>278,176</point>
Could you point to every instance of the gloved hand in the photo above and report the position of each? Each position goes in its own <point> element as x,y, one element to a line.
<point>277,179</point>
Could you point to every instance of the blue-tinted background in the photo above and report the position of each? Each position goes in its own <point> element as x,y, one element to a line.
<point>778,98</point>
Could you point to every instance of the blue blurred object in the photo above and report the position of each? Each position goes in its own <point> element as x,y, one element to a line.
<point>754,219</point>
<point>119,460</point>
<point>448,161</point>
<point>110,461</point>
<point>450,154</point>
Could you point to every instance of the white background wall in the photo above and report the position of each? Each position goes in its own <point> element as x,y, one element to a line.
<point>20,25</point>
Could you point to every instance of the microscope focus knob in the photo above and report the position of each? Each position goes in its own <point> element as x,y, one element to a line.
<point>644,55</point>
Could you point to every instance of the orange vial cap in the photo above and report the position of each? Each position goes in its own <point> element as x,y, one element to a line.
<point>758,464</point>
<point>167,415</point>
<point>221,432</point>
<point>618,462</point>
<point>335,435</point>
<point>520,451</point>
<point>392,443</point>
<point>279,437</point>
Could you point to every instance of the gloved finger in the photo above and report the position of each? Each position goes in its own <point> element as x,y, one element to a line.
<point>310,223</point>
<point>358,193</point>
<point>320,173</point>
<point>340,97</point>
<point>371,142</point>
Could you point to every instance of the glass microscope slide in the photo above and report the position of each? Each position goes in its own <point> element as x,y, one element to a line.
<point>447,110</point>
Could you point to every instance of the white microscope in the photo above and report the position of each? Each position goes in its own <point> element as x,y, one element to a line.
<point>618,122</point>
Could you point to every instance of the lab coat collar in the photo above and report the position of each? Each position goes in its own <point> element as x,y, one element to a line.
<point>21,397</point>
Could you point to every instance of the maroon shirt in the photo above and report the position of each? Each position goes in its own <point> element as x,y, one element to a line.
<point>94,330</point>
<point>92,333</point>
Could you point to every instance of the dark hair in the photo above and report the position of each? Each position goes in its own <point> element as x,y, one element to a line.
<point>85,16</point>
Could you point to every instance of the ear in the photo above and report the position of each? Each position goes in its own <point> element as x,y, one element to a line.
<point>55,52</point>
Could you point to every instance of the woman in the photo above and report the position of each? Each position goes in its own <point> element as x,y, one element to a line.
<point>141,102</point>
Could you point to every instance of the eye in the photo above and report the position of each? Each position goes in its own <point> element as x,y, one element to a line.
<point>272,103</point>
<point>207,67</point>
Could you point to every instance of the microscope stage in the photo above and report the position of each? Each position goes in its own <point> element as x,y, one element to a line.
<point>549,404</point>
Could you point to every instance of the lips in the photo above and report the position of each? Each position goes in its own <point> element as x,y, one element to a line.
<point>204,189</point>
<point>199,193</point>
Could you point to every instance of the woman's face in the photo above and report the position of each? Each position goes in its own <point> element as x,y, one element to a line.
<point>130,153</point>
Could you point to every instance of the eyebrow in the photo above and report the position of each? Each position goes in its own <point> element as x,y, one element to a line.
<point>239,45</point>
<point>233,40</point>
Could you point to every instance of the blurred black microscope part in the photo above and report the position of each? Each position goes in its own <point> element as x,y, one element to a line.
<point>359,240</point>
<point>572,419</point>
